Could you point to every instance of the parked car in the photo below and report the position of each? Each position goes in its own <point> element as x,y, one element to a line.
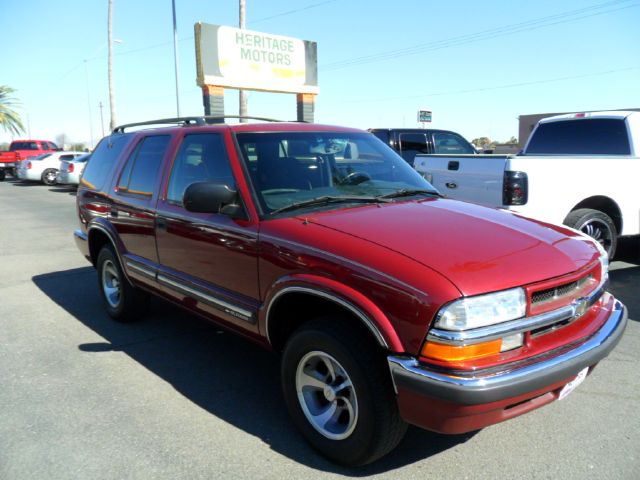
<point>388,304</point>
<point>409,142</point>
<point>71,170</point>
<point>44,168</point>
<point>21,150</point>
<point>579,170</point>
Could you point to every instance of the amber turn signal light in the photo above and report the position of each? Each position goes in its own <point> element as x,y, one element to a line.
<point>453,353</point>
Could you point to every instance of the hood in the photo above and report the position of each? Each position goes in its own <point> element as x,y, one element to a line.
<point>478,249</point>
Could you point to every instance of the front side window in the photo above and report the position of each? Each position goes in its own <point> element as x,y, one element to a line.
<point>451,143</point>
<point>143,166</point>
<point>288,168</point>
<point>201,157</point>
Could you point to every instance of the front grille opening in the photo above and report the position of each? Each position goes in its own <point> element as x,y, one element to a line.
<point>555,293</point>
<point>549,328</point>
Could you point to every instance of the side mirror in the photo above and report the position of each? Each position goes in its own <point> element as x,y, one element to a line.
<point>209,197</point>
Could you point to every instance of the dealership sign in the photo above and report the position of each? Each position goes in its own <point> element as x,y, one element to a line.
<point>239,58</point>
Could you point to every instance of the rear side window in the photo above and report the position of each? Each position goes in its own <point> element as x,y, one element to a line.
<point>201,158</point>
<point>382,135</point>
<point>592,136</point>
<point>103,159</point>
<point>141,172</point>
<point>412,144</point>
<point>451,143</point>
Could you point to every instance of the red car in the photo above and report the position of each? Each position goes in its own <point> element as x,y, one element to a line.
<point>389,304</point>
<point>21,150</point>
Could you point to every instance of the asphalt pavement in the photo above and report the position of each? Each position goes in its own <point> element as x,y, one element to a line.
<point>174,397</point>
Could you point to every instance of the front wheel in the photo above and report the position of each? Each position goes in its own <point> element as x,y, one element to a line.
<point>597,225</point>
<point>2,175</point>
<point>339,393</point>
<point>49,176</point>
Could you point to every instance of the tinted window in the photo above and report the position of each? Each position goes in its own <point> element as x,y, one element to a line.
<point>412,144</point>
<point>451,143</point>
<point>596,136</point>
<point>201,158</point>
<point>103,160</point>
<point>143,166</point>
<point>382,135</point>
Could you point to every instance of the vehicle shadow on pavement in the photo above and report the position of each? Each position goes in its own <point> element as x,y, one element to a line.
<point>231,378</point>
<point>71,190</point>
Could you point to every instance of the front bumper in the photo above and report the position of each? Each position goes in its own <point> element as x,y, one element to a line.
<point>456,403</point>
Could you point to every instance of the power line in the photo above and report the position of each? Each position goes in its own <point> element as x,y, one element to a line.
<point>533,24</point>
<point>497,87</point>
<point>291,12</point>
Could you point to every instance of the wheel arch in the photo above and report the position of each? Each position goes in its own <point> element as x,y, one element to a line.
<point>283,316</point>
<point>605,205</point>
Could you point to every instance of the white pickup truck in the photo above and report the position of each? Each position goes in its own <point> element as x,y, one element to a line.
<point>581,170</point>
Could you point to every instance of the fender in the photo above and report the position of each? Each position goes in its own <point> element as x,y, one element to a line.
<point>354,301</point>
<point>106,228</point>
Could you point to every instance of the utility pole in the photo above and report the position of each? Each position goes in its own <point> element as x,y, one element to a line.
<point>112,100</point>
<point>243,110</point>
<point>101,119</point>
<point>175,56</point>
<point>86,73</point>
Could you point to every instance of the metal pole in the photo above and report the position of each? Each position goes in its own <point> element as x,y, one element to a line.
<point>112,99</point>
<point>243,108</point>
<point>175,56</point>
<point>86,73</point>
<point>101,119</point>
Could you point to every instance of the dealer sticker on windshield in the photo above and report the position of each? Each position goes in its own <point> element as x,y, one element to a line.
<point>571,386</point>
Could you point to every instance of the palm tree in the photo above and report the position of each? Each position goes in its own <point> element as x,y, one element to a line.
<point>9,118</point>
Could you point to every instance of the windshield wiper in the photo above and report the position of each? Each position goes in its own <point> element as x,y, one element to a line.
<point>329,199</point>
<point>406,192</point>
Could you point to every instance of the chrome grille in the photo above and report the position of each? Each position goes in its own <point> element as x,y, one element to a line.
<point>559,291</point>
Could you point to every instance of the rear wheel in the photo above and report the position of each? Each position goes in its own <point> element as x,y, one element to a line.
<point>339,393</point>
<point>2,175</point>
<point>596,224</point>
<point>123,301</point>
<point>49,176</point>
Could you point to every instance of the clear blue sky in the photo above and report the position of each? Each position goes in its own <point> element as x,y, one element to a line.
<point>476,64</point>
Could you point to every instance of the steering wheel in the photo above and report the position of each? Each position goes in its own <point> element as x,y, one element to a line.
<point>355,178</point>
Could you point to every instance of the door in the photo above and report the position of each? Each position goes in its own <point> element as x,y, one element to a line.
<point>132,212</point>
<point>208,262</point>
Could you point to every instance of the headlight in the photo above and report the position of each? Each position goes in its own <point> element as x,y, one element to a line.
<point>483,310</point>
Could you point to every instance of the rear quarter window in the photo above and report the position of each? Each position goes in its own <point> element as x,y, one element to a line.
<point>591,136</point>
<point>103,159</point>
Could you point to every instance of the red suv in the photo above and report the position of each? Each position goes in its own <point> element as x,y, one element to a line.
<point>389,304</point>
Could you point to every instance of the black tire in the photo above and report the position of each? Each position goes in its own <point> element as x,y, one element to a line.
<point>376,427</point>
<point>124,302</point>
<point>49,176</point>
<point>596,224</point>
<point>2,175</point>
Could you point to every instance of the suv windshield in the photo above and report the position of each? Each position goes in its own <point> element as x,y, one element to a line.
<point>291,169</point>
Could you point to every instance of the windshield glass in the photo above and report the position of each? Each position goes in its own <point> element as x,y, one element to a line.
<point>42,156</point>
<point>288,168</point>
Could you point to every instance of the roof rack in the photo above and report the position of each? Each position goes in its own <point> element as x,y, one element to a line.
<point>187,121</point>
